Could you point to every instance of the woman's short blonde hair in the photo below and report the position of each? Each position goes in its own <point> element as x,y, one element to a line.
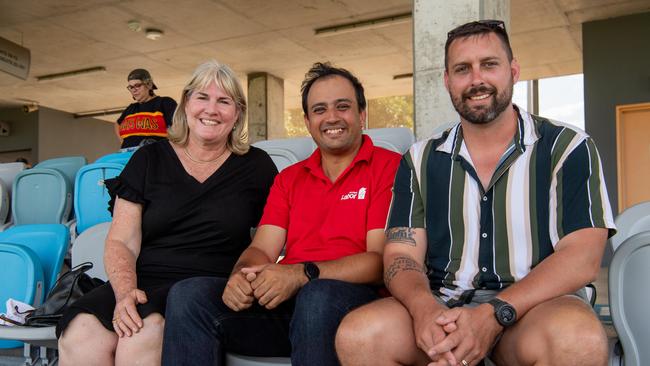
<point>225,78</point>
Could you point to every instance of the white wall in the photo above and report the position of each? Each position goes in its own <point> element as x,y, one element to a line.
<point>60,134</point>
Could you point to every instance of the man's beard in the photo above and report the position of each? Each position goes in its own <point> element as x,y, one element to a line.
<point>482,115</point>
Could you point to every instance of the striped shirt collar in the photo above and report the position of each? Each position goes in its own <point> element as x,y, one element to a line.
<point>526,135</point>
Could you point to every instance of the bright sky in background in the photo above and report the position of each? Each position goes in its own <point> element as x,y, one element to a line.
<point>560,98</point>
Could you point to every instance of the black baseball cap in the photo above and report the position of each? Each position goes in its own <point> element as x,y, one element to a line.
<point>141,74</point>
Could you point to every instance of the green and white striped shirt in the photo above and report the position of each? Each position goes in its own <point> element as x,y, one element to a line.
<point>548,184</point>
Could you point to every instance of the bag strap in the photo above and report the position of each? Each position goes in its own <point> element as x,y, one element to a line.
<point>10,320</point>
<point>81,268</point>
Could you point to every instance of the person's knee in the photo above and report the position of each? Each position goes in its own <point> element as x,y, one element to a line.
<point>154,324</point>
<point>358,330</point>
<point>143,347</point>
<point>185,297</point>
<point>321,303</point>
<point>85,333</point>
<point>569,336</point>
<point>579,340</point>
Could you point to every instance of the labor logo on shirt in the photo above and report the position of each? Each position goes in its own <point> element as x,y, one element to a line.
<point>143,124</point>
<point>360,194</point>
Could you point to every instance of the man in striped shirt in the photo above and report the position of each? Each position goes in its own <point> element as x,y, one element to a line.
<point>495,225</point>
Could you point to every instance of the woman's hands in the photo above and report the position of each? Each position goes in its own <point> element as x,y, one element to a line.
<point>126,320</point>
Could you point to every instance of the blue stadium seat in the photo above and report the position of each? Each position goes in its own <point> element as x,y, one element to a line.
<point>22,276</point>
<point>8,172</point>
<point>90,194</point>
<point>68,166</point>
<point>41,196</point>
<point>89,247</point>
<point>118,157</point>
<point>49,243</point>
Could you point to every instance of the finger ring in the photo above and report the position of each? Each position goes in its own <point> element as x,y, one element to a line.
<point>465,363</point>
<point>115,320</point>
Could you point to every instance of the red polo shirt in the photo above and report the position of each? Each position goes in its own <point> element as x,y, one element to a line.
<point>325,220</point>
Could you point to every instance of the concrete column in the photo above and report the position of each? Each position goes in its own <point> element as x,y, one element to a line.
<point>265,107</point>
<point>432,19</point>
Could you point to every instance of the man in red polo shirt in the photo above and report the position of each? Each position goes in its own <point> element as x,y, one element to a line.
<point>329,213</point>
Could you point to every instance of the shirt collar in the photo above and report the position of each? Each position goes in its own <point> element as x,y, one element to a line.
<point>526,135</point>
<point>313,162</point>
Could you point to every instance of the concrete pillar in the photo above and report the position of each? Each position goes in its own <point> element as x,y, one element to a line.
<point>265,107</point>
<point>432,19</point>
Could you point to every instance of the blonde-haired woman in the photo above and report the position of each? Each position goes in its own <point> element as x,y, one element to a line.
<point>182,208</point>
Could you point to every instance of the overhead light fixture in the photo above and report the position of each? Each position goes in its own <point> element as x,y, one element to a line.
<point>403,76</point>
<point>363,25</point>
<point>99,112</point>
<point>67,74</point>
<point>153,34</point>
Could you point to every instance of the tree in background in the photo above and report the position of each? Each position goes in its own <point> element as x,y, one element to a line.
<point>395,111</point>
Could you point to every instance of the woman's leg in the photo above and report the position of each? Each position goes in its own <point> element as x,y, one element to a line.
<point>144,347</point>
<point>86,339</point>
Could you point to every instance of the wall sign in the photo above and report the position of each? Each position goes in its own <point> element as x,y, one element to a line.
<point>14,59</point>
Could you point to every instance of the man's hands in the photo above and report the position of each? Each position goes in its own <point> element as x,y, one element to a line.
<point>270,284</point>
<point>238,294</point>
<point>126,320</point>
<point>428,333</point>
<point>470,334</point>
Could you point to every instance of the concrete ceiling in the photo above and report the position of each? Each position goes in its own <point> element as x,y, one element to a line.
<point>274,36</point>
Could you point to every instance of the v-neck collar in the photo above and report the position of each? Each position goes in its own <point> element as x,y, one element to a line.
<point>179,165</point>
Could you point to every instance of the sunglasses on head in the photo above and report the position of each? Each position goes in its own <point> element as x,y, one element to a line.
<point>492,24</point>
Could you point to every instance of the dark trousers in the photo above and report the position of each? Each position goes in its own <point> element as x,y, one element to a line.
<point>200,328</point>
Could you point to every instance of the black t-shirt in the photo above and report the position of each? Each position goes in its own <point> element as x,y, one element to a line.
<point>148,120</point>
<point>191,228</point>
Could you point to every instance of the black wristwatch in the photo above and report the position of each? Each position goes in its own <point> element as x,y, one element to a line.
<point>505,313</point>
<point>311,270</point>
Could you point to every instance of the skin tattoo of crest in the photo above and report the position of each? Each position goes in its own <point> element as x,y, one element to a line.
<point>403,235</point>
<point>400,264</point>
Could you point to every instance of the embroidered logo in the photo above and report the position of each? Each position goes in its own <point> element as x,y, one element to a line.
<point>361,194</point>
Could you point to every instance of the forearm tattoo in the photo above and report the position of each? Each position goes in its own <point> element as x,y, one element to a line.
<point>403,235</point>
<point>400,264</point>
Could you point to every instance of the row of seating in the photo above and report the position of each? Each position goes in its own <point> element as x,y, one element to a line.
<point>629,293</point>
<point>35,234</point>
<point>92,223</point>
<point>59,190</point>
<point>285,152</point>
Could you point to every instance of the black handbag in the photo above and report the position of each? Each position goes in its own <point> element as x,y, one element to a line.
<point>67,289</point>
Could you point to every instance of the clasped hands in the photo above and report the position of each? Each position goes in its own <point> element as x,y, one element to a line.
<point>268,284</point>
<point>459,336</point>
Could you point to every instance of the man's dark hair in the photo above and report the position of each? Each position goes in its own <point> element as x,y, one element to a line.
<point>481,27</point>
<point>325,69</point>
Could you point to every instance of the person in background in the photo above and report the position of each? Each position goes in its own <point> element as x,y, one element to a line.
<point>181,208</point>
<point>148,119</point>
<point>495,227</point>
<point>24,161</point>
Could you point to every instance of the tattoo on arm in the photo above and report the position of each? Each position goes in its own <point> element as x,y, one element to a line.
<point>403,235</point>
<point>400,264</point>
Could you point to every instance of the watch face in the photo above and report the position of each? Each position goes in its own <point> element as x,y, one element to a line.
<point>311,271</point>
<point>507,314</point>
